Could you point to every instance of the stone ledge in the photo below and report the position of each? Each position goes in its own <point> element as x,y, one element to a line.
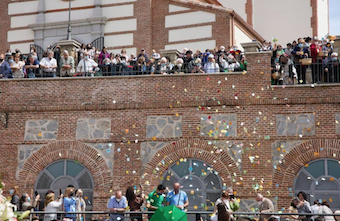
<point>119,76</point>
<point>174,104</point>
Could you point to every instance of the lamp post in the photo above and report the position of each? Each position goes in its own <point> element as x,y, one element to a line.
<point>69,22</point>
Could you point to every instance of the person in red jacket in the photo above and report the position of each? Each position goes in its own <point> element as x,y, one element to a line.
<point>315,49</point>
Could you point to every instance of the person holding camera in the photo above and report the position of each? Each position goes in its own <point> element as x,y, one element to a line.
<point>70,203</point>
<point>228,200</point>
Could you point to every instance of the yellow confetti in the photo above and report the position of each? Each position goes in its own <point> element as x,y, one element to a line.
<point>185,90</point>
<point>261,72</point>
<point>195,207</point>
<point>306,165</point>
<point>154,138</point>
<point>127,172</point>
<point>192,191</point>
<point>39,134</point>
<point>330,200</point>
<point>177,114</point>
<point>331,179</point>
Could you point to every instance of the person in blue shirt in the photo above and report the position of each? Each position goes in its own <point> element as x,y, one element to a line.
<point>177,197</point>
<point>70,203</point>
<point>5,68</point>
<point>31,66</point>
<point>117,204</point>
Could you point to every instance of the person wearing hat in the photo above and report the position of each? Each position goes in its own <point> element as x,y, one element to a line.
<point>143,54</point>
<point>188,62</point>
<point>211,66</point>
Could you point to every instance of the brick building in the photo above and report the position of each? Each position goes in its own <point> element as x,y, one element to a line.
<point>207,131</point>
<point>162,24</point>
<point>129,24</point>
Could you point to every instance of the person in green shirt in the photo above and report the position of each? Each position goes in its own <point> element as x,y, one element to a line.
<point>243,64</point>
<point>155,199</point>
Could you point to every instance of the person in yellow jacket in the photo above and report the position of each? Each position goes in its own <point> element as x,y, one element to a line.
<point>230,202</point>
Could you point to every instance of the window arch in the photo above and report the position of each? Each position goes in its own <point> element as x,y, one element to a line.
<point>320,180</point>
<point>198,179</point>
<point>62,173</point>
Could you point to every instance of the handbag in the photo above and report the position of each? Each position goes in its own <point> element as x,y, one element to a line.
<point>214,217</point>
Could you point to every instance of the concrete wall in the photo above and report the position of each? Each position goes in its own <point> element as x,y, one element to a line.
<point>239,6</point>
<point>285,20</point>
<point>323,19</point>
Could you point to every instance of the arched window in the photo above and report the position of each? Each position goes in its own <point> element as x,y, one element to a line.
<point>198,179</point>
<point>60,174</point>
<point>320,181</point>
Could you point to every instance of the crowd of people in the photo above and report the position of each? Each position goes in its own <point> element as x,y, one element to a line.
<point>304,61</point>
<point>134,200</point>
<point>90,61</point>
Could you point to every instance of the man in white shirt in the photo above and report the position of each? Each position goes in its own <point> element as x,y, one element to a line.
<point>87,65</point>
<point>315,208</point>
<point>49,65</point>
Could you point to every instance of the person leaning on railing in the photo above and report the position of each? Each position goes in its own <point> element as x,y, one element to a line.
<point>66,65</point>
<point>198,68</point>
<point>5,69</point>
<point>49,65</point>
<point>333,68</point>
<point>17,66</point>
<point>31,66</point>
<point>162,67</point>
<point>211,66</point>
<point>178,68</point>
<point>87,65</point>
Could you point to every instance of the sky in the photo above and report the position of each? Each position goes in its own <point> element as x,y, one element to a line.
<point>334,17</point>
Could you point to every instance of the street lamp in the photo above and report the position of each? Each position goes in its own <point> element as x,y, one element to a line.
<point>69,22</point>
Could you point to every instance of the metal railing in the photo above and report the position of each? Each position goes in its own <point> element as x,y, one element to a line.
<point>314,73</point>
<point>124,69</point>
<point>192,215</point>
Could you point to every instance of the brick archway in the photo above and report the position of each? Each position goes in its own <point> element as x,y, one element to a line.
<point>189,148</point>
<point>303,154</point>
<point>73,150</point>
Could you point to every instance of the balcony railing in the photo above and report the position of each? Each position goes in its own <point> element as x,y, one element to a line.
<point>192,215</point>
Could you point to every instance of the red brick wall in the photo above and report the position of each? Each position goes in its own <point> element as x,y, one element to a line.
<point>5,22</point>
<point>188,96</point>
<point>249,12</point>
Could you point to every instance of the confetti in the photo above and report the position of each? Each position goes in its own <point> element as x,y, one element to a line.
<point>114,101</point>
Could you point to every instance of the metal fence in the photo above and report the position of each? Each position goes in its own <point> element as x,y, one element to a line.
<point>314,73</point>
<point>123,69</point>
<point>192,215</point>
